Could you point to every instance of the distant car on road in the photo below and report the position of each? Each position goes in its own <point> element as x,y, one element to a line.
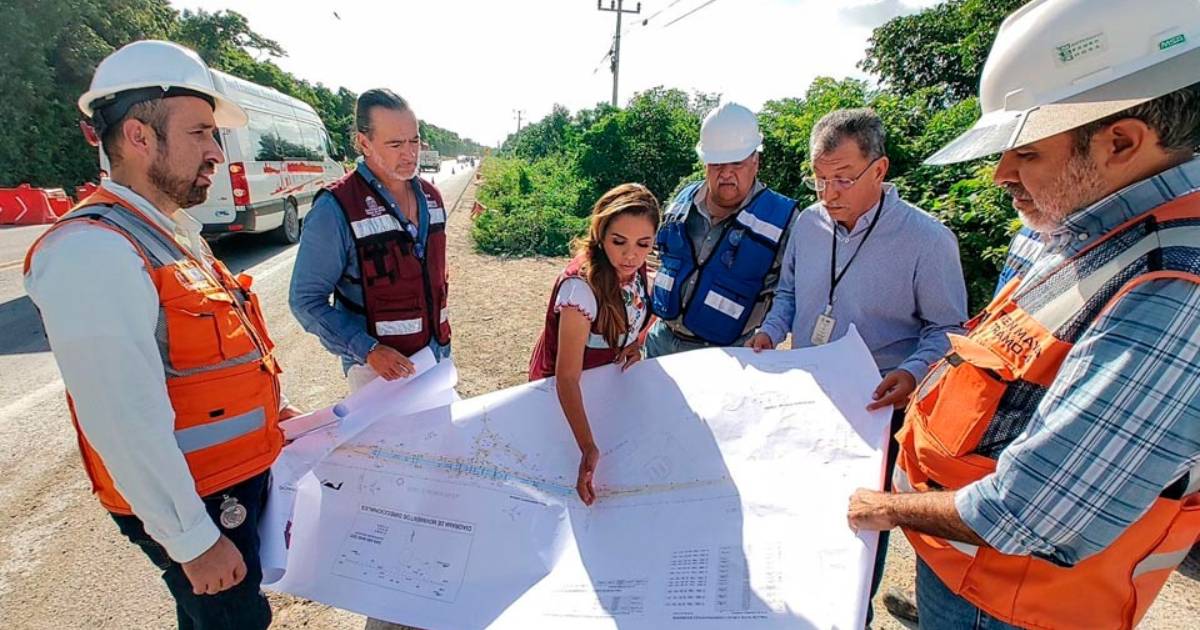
<point>430,161</point>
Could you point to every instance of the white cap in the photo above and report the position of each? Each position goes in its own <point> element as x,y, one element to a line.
<point>1060,64</point>
<point>729,134</point>
<point>157,64</point>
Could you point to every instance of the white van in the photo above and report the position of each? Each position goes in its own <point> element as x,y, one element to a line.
<point>273,166</point>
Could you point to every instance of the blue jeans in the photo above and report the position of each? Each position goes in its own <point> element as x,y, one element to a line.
<point>242,607</point>
<point>660,341</point>
<point>941,608</point>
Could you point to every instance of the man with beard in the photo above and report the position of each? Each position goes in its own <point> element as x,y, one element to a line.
<point>164,353</point>
<point>1049,472</point>
<point>721,243</point>
<point>375,241</point>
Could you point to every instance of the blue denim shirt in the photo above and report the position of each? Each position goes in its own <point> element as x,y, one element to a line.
<point>328,260</point>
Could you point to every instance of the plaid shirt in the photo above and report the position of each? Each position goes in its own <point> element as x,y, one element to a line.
<point>1122,420</point>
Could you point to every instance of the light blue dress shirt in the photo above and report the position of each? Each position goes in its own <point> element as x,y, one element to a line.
<point>904,290</point>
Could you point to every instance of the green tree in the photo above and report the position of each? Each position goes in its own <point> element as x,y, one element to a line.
<point>50,50</point>
<point>941,47</point>
<point>651,141</point>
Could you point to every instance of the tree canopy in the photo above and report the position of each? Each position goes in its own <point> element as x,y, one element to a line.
<point>52,47</point>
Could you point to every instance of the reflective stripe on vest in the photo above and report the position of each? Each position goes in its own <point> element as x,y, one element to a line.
<point>375,225</point>
<point>204,436</point>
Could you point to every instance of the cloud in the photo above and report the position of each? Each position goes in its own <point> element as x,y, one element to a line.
<point>875,13</point>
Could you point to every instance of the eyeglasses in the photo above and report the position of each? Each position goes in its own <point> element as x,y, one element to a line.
<point>819,184</point>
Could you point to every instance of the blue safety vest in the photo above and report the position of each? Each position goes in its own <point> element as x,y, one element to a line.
<point>731,278</point>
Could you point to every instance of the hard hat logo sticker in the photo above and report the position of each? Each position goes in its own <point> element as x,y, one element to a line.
<point>1082,48</point>
<point>1171,42</point>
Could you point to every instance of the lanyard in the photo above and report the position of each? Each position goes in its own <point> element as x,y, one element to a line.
<point>836,278</point>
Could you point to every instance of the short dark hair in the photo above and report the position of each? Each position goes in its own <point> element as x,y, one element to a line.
<point>861,124</point>
<point>375,97</point>
<point>1175,117</point>
<point>154,113</point>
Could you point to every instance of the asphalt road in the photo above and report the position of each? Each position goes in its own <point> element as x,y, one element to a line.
<point>62,562</point>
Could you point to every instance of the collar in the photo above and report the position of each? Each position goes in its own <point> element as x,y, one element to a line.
<point>179,222</point>
<point>1085,226</point>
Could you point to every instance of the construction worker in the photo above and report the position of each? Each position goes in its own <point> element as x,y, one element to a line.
<point>375,241</point>
<point>164,353</point>
<point>863,256</point>
<point>1048,474</point>
<point>721,243</point>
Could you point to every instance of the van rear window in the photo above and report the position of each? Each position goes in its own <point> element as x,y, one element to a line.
<point>274,138</point>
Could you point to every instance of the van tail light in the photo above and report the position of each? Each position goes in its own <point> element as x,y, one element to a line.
<point>237,181</point>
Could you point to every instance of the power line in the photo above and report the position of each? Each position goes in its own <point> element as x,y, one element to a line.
<point>618,7</point>
<point>688,13</point>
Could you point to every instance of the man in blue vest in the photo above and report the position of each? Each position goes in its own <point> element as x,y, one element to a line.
<point>721,243</point>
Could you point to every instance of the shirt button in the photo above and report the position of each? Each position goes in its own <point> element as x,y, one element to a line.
<point>1082,236</point>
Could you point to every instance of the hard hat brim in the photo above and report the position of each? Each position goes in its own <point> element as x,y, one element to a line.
<point>1005,130</point>
<point>725,157</point>
<point>226,112</point>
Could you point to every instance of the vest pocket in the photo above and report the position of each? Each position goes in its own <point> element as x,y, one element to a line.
<point>959,406</point>
<point>193,339</point>
<point>723,307</point>
<point>203,331</point>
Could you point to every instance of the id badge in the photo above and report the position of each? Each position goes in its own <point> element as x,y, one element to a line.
<point>822,330</point>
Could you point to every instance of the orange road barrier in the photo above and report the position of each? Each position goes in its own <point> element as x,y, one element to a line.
<point>26,205</point>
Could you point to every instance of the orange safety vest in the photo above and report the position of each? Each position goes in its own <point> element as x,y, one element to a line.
<point>221,378</point>
<point>978,399</point>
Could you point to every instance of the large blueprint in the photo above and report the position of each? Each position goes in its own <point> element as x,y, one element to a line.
<point>723,485</point>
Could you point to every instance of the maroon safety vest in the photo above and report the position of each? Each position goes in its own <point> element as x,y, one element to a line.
<point>404,294</point>
<point>597,351</point>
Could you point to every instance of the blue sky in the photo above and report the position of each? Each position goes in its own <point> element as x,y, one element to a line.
<point>467,64</point>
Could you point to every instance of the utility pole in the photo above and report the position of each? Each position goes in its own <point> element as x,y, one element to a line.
<point>518,113</point>
<point>616,6</point>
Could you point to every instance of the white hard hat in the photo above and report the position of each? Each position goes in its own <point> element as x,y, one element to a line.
<point>153,69</point>
<point>1061,64</point>
<point>729,134</point>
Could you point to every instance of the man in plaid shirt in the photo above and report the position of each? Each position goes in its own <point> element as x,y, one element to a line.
<point>1110,445</point>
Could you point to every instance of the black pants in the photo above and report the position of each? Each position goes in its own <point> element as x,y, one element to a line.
<point>893,451</point>
<point>242,607</point>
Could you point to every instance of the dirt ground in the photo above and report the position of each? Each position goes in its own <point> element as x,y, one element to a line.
<point>62,565</point>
